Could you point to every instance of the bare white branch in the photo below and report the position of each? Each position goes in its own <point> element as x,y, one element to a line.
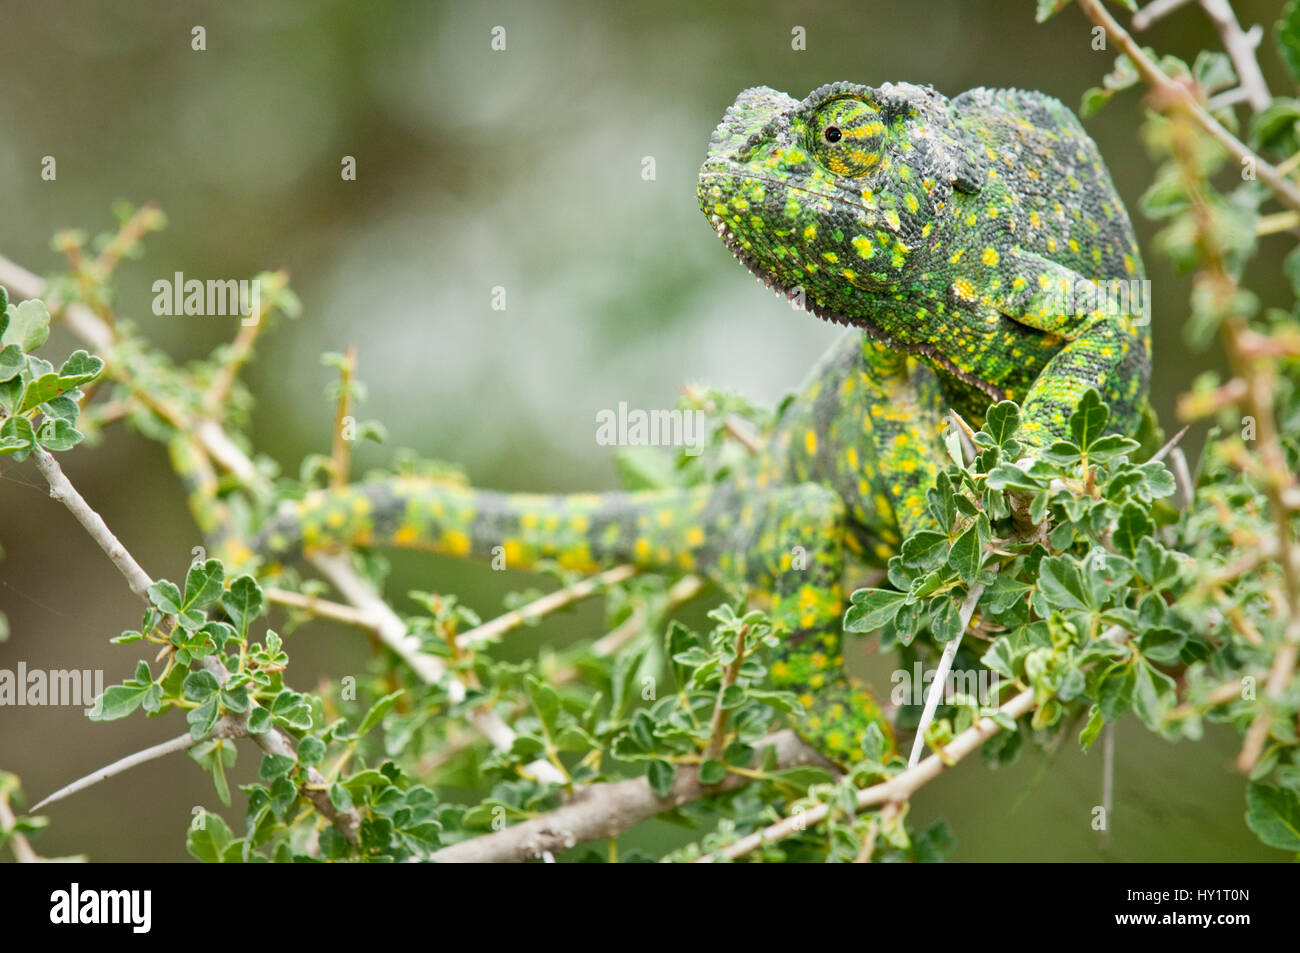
<point>604,810</point>
<point>941,673</point>
<point>551,602</point>
<point>181,743</point>
<point>896,789</point>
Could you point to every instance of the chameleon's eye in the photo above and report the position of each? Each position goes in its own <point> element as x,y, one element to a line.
<point>847,137</point>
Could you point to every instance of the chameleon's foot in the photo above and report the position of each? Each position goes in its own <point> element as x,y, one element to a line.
<point>843,719</point>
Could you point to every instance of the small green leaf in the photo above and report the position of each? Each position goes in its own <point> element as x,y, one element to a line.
<point>203,584</point>
<point>1088,422</point>
<point>1092,730</point>
<point>339,797</point>
<point>661,774</point>
<point>29,325</point>
<point>1131,527</point>
<point>207,838</point>
<point>1007,476</point>
<point>1049,8</point>
<point>1002,422</point>
<point>925,550</point>
<point>243,603</point>
<point>545,701</point>
<point>942,503</point>
<point>118,701</point>
<point>712,771</point>
<point>200,685</point>
<point>166,597</point>
<point>1162,645</point>
<point>870,609</point>
<point>967,555</point>
<point>291,710</point>
<point>945,620</point>
<point>1115,695</point>
<point>12,360</point>
<point>16,437</point>
<point>1273,813</point>
<point>57,435</point>
<point>1061,583</point>
<point>378,710</point>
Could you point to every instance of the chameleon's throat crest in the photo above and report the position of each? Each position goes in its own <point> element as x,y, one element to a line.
<point>926,352</point>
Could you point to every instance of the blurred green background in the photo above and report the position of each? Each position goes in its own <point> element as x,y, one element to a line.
<point>476,169</point>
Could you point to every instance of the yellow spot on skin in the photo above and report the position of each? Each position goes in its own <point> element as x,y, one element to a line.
<point>810,233</point>
<point>455,543</point>
<point>990,256</point>
<point>810,441</point>
<point>694,536</point>
<point>862,245</point>
<point>642,548</point>
<point>963,289</point>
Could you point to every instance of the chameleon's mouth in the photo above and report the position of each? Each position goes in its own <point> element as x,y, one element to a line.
<point>795,292</point>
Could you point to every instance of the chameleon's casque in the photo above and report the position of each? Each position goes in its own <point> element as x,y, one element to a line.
<point>943,229</point>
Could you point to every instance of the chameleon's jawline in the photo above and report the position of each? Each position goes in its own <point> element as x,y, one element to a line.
<point>926,351</point>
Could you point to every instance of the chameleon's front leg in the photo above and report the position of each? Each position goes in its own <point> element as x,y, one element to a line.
<point>793,557</point>
<point>1105,349</point>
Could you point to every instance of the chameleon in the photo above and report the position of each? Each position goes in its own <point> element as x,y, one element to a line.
<point>940,232</point>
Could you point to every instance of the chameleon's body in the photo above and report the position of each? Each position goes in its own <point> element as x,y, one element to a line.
<point>937,227</point>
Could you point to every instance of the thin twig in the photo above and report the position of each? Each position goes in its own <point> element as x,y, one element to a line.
<point>941,673</point>
<point>61,489</point>
<point>718,726</point>
<point>551,602</point>
<point>322,608</point>
<point>896,789</point>
<point>179,743</point>
<point>272,741</point>
<point>339,451</point>
<point>1176,93</point>
<point>392,631</point>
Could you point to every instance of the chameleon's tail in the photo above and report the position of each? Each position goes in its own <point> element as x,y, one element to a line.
<point>658,530</point>
<point>782,545</point>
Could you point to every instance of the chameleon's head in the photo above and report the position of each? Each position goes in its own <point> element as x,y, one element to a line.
<point>842,193</point>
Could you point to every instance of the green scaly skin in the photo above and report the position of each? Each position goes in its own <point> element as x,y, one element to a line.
<point>937,228</point>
